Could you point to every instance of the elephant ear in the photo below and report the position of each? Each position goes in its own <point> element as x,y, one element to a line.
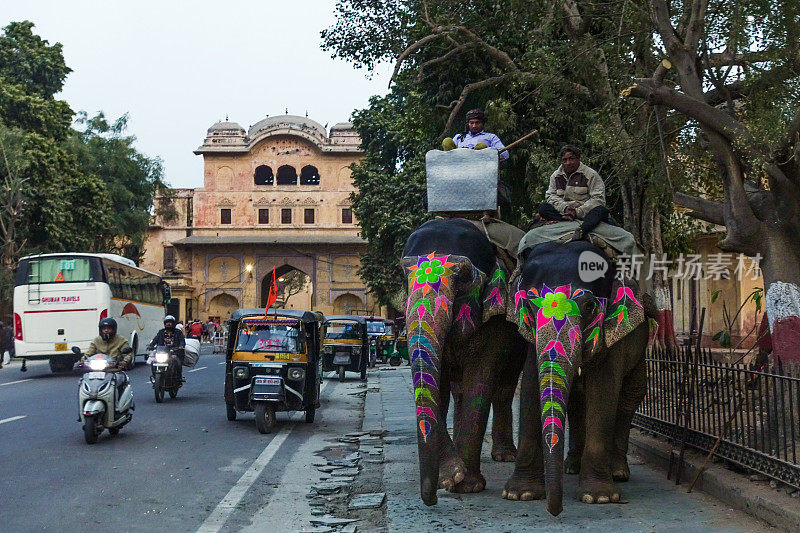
<point>625,311</point>
<point>520,310</point>
<point>495,292</point>
<point>467,305</point>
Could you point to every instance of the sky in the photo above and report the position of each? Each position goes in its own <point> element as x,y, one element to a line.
<point>177,67</point>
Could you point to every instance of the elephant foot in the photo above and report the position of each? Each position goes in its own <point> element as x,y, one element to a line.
<point>473,482</point>
<point>504,453</point>
<point>519,487</point>
<point>572,464</point>
<point>451,472</point>
<point>597,492</point>
<point>620,470</point>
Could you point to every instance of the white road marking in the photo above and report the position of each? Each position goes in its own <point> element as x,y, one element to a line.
<point>196,369</point>
<point>222,363</point>
<point>216,520</point>
<point>220,515</point>
<point>18,381</point>
<point>12,419</point>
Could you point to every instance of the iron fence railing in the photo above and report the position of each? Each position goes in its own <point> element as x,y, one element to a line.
<point>692,396</point>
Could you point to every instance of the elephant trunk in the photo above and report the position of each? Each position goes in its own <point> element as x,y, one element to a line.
<point>555,373</point>
<point>429,315</point>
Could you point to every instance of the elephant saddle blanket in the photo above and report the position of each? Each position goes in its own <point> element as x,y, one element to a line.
<point>613,239</point>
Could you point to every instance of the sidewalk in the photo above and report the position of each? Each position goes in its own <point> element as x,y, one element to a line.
<point>655,504</point>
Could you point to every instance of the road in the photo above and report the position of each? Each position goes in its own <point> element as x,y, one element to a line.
<point>168,469</point>
<point>181,466</point>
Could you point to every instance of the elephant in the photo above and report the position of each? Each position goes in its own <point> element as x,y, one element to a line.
<point>458,333</point>
<point>582,326</point>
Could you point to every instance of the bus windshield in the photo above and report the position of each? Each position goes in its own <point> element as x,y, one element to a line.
<point>343,330</point>
<point>60,269</point>
<point>269,336</point>
<point>375,326</point>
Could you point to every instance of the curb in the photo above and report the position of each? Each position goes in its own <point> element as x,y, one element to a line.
<point>777,509</point>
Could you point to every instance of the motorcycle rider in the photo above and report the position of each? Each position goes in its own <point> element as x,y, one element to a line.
<point>172,338</point>
<point>111,344</point>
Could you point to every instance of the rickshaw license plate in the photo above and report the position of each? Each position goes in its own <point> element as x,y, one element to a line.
<point>61,346</point>
<point>268,381</point>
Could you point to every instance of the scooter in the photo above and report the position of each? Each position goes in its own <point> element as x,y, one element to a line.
<point>166,376</point>
<point>105,395</point>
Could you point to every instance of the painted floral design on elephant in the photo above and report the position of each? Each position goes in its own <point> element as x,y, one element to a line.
<point>427,298</point>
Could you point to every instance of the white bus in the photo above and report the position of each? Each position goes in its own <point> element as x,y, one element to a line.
<point>59,299</point>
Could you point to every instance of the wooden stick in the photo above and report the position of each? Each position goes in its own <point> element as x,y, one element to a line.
<point>517,141</point>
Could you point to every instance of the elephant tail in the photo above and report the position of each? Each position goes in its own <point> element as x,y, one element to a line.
<point>429,316</point>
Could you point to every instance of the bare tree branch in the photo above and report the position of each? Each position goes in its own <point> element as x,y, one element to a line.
<point>700,208</point>
<point>441,59</point>
<point>459,104</point>
<point>435,34</point>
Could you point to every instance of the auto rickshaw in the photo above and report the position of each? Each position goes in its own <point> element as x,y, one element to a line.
<point>346,345</point>
<point>376,329</point>
<point>273,363</point>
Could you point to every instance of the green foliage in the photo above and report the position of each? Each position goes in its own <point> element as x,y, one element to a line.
<point>62,189</point>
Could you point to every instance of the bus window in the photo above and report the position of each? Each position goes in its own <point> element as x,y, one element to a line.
<point>55,270</point>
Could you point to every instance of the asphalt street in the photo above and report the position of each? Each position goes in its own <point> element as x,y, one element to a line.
<point>178,466</point>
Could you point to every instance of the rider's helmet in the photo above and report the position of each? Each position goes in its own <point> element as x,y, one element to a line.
<point>169,322</point>
<point>107,322</point>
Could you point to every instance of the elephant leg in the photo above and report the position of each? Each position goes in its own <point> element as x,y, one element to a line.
<point>576,411</point>
<point>527,481</point>
<point>634,388</point>
<point>503,448</point>
<point>596,483</point>
<point>472,420</point>
<point>451,466</point>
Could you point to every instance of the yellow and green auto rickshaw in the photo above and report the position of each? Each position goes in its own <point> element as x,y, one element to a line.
<point>273,363</point>
<point>346,345</point>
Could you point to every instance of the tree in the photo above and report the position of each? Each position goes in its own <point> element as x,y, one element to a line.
<point>557,68</point>
<point>289,284</point>
<point>104,150</point>
<point>732,70</point>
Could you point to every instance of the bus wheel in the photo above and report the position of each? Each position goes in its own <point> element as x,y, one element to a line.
<point>265,417</point>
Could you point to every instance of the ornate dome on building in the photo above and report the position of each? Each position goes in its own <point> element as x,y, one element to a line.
<point>230,136</point>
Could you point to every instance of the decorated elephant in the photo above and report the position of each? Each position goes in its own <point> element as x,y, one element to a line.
<point>457,333</point>
<point>585,327</point>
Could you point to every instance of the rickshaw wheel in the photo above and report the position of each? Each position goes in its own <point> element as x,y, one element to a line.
<point>230,411</point>
<point>310,412</point>
<point>265,417</point>
<point>364,372</point>
<point>341,373</point>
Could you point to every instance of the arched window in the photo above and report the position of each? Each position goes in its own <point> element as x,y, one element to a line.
<point>287,175</point>
<point>263,175</point>
<point>309,175</point>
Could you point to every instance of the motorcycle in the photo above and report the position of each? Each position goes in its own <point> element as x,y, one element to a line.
<point>166,376</point>
<point>105,395</point>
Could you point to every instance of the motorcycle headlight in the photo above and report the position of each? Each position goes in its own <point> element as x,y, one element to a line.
<point>162,357</point>
<point>296,373</point>
<point>98,364</point>
<point>240,372</point>
<point>328,348</point>
<point>356,350</point>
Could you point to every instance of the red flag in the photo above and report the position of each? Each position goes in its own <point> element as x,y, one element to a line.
<point>273,293</point>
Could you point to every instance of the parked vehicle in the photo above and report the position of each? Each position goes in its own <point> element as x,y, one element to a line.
<point>273,364</point>
<point>346,345</point>
<point>105,395</point>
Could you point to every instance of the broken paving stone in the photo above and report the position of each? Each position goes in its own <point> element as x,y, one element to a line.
<point>316,503</point>
<point>332,521</point>
<point>318,512</point>
<point>350,529</point>
<point>371,500</point>
<point>321,529</point>
<point>346,472</point>
<point>378,432</point>
<point>319,461</point>
<point>326,487</point>
<point>340,479</point>
<point>349,440</point>
<point>355,456</point>
<point>329,468</point>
